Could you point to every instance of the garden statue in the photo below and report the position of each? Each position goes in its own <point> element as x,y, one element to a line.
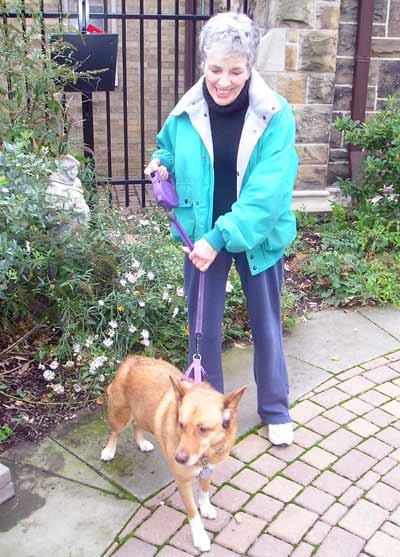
<point>65,189</point>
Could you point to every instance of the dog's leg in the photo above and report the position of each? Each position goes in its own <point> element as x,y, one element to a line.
<point>144,445</point>
<point>207,510</point>
<point>108,452</point>
<point>199,534</point>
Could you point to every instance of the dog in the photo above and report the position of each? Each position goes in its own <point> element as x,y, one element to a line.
<point>194,424</point>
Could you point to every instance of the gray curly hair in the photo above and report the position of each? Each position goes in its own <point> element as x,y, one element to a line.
<point>232,34</point>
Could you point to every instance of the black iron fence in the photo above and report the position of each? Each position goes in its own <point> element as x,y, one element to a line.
<point>157,63</point>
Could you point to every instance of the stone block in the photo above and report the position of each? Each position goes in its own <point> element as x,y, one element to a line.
<point>340,542</point>
<point>378,30</point>
<point>291,55</point>
<point>382,545</point>
<point>293,87</point>
<point>268,545</point>
<point>292,523</point>
<point>292,36</point>
<point>347,39</point>
<point>389,78</point>
<point>5,475</point>
<point>320,88</point>
<point>342,97</point>
<point>385,48</point>
<point>364,519</point>
<point>6,492</point>
<point>337,170</point>
<point>338,155</point>
<point>312,154</point>
<point>328,15</point>
<point>394,19</point>
<point>292,14</point>
<point>344,71</point>
<point>313,123</point>
<point>239,535</point>
<point>348,10</point>
<point>318,51</point>
<point>264,507</point>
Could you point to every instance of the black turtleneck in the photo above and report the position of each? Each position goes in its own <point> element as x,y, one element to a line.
<point>226,128</point>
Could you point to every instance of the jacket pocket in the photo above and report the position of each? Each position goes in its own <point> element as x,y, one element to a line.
<point>184,213</point>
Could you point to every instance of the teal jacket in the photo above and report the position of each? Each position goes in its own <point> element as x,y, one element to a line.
<point>261,222</point>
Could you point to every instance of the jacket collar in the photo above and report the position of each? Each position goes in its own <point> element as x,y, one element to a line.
<point>262,100</point>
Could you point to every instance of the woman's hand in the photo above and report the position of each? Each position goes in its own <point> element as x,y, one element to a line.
<point>202,255</point>
<point>154,166</point>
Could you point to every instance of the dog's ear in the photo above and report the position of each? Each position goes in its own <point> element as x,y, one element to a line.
<point>180,388</point>
<point>231,402</point>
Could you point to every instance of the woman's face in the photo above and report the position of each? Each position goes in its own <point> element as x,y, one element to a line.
<point>225,76</point>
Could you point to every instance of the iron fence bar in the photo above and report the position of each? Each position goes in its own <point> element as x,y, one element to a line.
<point>125,99</point>
<point>108,115</point>
<point>211,7</point>
<point>176,57</point>
<point>142,120</point>
<point>159,61</point>
<point>116,15</point>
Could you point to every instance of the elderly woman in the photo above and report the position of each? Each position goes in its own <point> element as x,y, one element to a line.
<point>230,147</point>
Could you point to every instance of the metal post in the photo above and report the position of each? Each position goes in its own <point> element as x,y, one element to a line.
<point>87,99</point>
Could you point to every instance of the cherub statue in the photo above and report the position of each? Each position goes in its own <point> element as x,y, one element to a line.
<point>65,189</point>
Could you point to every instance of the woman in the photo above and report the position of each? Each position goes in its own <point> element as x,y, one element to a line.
<point>229,145</point>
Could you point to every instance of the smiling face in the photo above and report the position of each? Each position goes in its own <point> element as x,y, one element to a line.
<point>225,76</point>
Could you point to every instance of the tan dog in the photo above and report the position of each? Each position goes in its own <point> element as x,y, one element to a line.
<point>194,424</point>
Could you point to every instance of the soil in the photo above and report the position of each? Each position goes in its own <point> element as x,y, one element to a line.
<point>24,401</point>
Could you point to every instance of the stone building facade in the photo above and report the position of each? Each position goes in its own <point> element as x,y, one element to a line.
<point>306,54</point>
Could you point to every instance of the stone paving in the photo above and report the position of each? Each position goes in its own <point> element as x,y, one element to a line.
<point>334,492</point>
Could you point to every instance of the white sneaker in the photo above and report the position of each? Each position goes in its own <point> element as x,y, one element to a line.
<point>280,434</point>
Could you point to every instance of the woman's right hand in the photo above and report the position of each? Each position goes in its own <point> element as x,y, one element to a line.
<point>155,166</point>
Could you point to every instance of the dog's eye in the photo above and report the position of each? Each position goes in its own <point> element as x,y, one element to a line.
<point>202,429</point>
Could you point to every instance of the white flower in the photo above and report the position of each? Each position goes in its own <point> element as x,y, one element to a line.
<point>111,333</point>
<point>140,273</point>
<point>145,334</point>
<point>98,362</point>
<point>165,296</point>
<point>101,303</point>
<point>58,389</point>
<point>49,375</point>
<point>229,286</point>
<point>89,342</point>
<point>77,388</point>
<point>145,342</point>
<point>122,282</point>
<point>150,275</point>
<point>135,264</point>
<point>131,277</point>
<point>113,324</point>
<point>176,311</point>
<point>27,247</point>
<point>76,348</point>
<point>101,378</point>
<point>141,303</point>
<point>144,222</point>
<point>180,292</point>
<point>132,329</point>
<point>169,286</point>
<point>41,367</point>
<point>108,342</point>
<point>53,365</point>
<point>5,190</point>
<point>69,363</point>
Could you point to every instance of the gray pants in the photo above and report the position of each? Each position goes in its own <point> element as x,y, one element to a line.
<point>263,293</point>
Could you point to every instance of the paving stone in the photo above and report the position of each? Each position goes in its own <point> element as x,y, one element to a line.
<point>263,432</point>
<point>238,536</point>
<point>340,442</point>
<point>137,519</point>
<point>350,373</point>
<point>364,519</point>
<point>340,543</point>
<point>263,507</point>
<point>384,466</point>
<point>395,517</point>
<point>393,356</point>
<point>268,465</point>
<point>268,545</point>
<point>223,473</point>
<point>303,550</point>
<point>362,427</point>
<point>250,447</point>
<point>379,418</point>
<point>168,551</point>
<point>249,481</point>
<point>218,551</point>
<point>319,458</point>
<point>282,489</point>
<point>391,529</point>
<point>392,407</point>
<point>389,389</point>
<point>161,496</point>
<point>315,500</point>
<point>351,496</point>
<point>322,425</point>
<point>286,453</point>
<point>292,523</point>
<point>334,514</point>
<point>331,397</point>
<point>136,547</point>
<point>229,498</point>
<point>356,385</point>
<point>301,472</point>
<point>330,383</point>
<point>368,480</point>
<point>375,448</point>
<point>339,415</point>
<point>374,398</point>
<point>318,532</point>
<point>332,483</point>
<point>396,455</point>
<point>305,411</point>
<point>377,362</point>
<point>306,438</point>
<point>385,496</point>
<point>382,545</point>
<point>381,374</point>
<point>395,365</point>
<point>391,436</point>
<point>5,475</point>
<point>160,526</point>
<point>216,524</point>
<point>393,477</point>
<point>354,464</point>
<point>358,406</point>
<point>183,540</point>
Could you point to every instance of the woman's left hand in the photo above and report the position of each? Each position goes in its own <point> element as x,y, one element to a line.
<point>202,255</point>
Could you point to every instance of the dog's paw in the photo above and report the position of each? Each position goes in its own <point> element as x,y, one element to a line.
<point>145,446</point>
<point>107,454</point>
<point>207,510</point>
<point>199,535</point>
